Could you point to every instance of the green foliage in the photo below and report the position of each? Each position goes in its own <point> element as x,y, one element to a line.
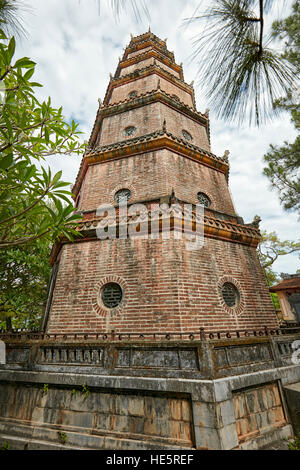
<point>271,247</point>
<point>274,298</point>
<point>288,30</point>
<point>294,444</point>
<point>24,276</point>
<point>85,391</point>
<point>10,16</point>
<point>46,388</point>
<point>242,74</point>
<point>283,163</point>
<point>30,131</point>
<point>62,437</point>
<point>269,250</point>
<point>283,171</point>
<point>5,446</point>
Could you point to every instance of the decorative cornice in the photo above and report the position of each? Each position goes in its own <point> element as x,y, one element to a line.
<point>171,199</point>
<point>220,162</point>
<point>143,99</point>
<point>146,55</point>
<point>212,228</point>
<point>147,40</point>
<point>145,36</point>
<point>144,72</point>
<point>147,143</point>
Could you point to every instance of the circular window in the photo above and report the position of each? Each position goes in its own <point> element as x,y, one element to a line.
<point>187,135</point>
<point>203,199</point>
<point>130,130</point>
<point>133,94</point>
<point>230,294</point>
<point>111,295</point>
<point>122,195</point>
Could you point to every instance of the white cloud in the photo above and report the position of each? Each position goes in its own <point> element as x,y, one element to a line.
<point>76,49</point>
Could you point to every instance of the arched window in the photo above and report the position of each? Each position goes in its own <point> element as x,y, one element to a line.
<point>130,130</point>
<point>123,194</point>
<point>203,199</point>
<point>186,135</point>
<point>133,94</point>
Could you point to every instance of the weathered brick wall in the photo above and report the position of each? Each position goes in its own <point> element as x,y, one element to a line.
<point>152,175</point>
<point>165,287</point>
<point>149,83</point>
<point>149,119</point>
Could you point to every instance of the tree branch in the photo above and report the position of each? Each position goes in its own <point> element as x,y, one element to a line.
<point>261,17</point>
<point>27,209</point>
<point>22,241</point>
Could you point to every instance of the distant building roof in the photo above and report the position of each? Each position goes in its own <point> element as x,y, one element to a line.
<point>293,282</point>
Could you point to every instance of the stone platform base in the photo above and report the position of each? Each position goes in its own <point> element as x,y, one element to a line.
<point>55,410</point>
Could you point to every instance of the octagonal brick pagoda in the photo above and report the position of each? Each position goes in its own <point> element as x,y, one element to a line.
<point>150,145</point>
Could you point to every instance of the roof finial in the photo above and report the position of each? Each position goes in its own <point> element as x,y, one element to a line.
<point>192,83</point>
<point>226,154</point>
<point>256,221</point>
<point>100,102</point>
<point>110,75</point>
<point>131,35</point>
<point>206,113</point>
<point>149,30</point>
<point>165,126</point>
<point>158,84</point>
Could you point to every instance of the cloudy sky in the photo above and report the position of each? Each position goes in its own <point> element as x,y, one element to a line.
<point>76,45</point>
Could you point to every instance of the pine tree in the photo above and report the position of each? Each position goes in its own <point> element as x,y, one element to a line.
<point>243,76</point>
<point>283,163</point>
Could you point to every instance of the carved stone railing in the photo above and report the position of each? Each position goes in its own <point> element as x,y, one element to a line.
<point>113,335</point>
<point>188,355</point>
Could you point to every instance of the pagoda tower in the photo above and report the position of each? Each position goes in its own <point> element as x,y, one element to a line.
<point>150,146</point>
<point>156,335</point>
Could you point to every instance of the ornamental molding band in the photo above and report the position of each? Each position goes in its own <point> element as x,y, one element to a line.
<point>156,54</point>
